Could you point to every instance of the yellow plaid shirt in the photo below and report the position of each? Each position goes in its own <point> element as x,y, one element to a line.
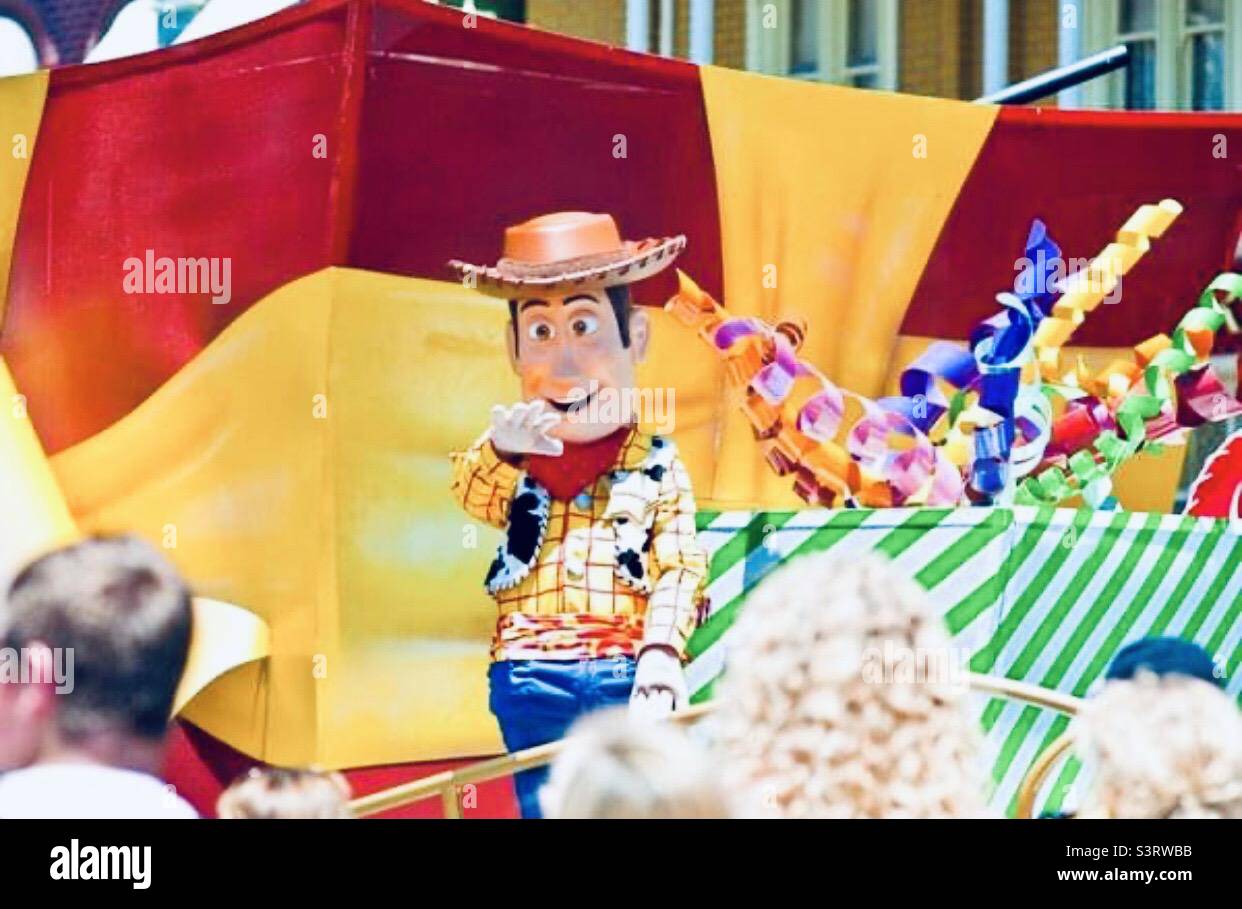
<point>572,605</point>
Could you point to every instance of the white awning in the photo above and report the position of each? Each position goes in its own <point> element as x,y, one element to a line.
<point>221,15</point>
<point>135,30</point>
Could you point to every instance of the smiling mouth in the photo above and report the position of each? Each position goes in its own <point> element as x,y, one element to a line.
<point>572,406</point>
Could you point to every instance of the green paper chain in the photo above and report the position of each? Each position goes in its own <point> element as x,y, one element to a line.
<point>1090,470</point>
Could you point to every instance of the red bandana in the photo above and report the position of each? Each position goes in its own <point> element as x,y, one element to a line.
<point>581,464</point>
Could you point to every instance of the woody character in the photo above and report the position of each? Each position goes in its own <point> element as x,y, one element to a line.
<point>599,577</point>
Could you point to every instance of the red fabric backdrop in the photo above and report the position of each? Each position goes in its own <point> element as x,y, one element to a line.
<point>1084,173</point>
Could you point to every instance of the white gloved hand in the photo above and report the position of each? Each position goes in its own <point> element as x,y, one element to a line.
<point>523,429</point>
<point>659,685</point>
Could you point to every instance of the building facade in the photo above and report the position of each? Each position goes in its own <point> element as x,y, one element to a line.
<point>1186,54</point>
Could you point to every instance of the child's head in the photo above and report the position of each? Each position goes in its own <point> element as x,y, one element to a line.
<point>277,792</point>
<point>842,697</point>
<point>102,631</point>
<point>612,767</point>
<point>1165,656</point>
<point>1162,746</point>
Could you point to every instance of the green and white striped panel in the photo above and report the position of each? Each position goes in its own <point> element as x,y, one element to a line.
<point>1042,595</point>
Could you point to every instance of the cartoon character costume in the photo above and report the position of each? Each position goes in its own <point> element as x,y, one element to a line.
<point>599,579</point>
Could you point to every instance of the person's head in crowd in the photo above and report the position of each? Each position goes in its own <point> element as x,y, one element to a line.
<point>1164,656</point>
<point>1162,746</point>
<point>615,767</point>
<point>101,630</point>
<point>278,792</point>
<point>842,697</point>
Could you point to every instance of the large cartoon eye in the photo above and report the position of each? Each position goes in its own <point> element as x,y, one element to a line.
<point>540,330</point>
<point>583,325</point>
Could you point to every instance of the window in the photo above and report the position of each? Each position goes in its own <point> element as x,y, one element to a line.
<point>1206,33</point>
<point>862,48</point>
<point>1184,54</point>
<point>851,42</point>
<point>804,38</point>
<point>18,54</point>
<point>1137,30</point>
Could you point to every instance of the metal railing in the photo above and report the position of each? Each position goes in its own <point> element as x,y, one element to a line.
<point>1038,772</point>
<point>447,784</point>
<point>1051,82</point>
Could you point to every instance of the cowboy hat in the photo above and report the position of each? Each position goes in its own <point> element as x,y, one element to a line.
<point>553,254</point>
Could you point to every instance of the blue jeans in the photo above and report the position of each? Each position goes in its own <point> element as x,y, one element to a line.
<point>536,701</point>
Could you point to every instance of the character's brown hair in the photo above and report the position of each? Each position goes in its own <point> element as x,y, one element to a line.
<point>618,296</point>
<point>124,613</point>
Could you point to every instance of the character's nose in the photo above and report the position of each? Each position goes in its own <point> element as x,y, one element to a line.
<point>565,365</point>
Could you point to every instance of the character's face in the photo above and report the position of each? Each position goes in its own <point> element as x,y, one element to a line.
<point>568,352</point>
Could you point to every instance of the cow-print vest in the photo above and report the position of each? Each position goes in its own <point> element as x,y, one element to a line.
<point>630,511</point>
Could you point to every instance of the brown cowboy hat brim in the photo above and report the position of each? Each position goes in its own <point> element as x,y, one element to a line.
<point>633,262</point>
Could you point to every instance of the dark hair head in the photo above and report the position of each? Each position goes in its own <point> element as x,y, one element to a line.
<point>124,614</point>
<point>618,296</point>
<point>1163,656</point>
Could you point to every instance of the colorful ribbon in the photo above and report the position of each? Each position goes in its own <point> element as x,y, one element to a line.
<point>868,469</point>
<point>1168,389</point>
<point>1005,431</point>
<point>981,419</point>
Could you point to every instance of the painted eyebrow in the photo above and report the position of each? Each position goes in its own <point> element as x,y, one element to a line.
<point>526,303</point>
<point>577,297</point>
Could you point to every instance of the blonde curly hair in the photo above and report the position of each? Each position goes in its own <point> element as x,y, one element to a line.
<point>613,767</point>
<point>282,792</point>
<point>1162,747</point>
<point>843,698</point>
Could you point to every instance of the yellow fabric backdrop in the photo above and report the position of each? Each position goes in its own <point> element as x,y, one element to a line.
<point>33,516</point>
<point>831,200</point>
<point>301,462</point>
<point>21,110</point>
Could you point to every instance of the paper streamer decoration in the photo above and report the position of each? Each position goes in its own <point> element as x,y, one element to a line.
<point>976,421</point>
<point>1004,431</point>
<point>1018,354</point>
<point>1087,289</point>
<point>800,440</point>
<point>1169,388</point>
